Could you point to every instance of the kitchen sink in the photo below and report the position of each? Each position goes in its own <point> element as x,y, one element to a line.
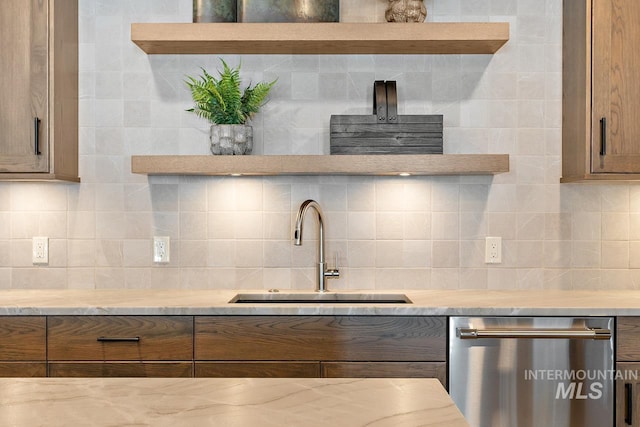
<point>319,298</point>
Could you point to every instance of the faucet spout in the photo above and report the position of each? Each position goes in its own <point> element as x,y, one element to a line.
<point>322,272</point>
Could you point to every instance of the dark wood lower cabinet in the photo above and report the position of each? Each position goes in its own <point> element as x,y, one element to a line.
<point>628,339</point>
<point>23,369</point>
<point>120,346</point>
<point>628,395</point>
<point>121,369</point>
<point>224,346</point>
<point>321,346</point>
<point>628,367</point>
<point>348,338</point>
<point>23,338</point>
<point>385,370</point>
<point>119,338</point>
<point>23,351</point>
<point>258,369</point>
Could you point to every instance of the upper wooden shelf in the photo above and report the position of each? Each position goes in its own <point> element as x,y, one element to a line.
<point>427,164</point>
<point>321,38</point>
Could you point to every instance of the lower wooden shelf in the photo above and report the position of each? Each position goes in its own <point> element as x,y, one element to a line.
<point>428,164</point>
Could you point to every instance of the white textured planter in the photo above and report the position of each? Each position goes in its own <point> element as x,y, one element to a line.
<point>231,139</point>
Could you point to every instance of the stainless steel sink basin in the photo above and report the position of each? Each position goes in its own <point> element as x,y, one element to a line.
<point>319,298</point>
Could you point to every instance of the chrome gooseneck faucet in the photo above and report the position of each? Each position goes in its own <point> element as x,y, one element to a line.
<point>322,272</point>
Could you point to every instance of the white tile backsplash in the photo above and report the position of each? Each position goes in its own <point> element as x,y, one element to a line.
<point>417,233</point>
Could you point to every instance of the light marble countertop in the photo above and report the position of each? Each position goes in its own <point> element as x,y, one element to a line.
<point>159,402</point>
<point>216,302</point>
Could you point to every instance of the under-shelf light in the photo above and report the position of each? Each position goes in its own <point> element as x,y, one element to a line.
<point>404,174</point>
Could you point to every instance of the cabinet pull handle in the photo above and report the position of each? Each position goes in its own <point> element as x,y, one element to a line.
<point>628,402</point>
<point>603,136</point>
<point>118,339</point>
<point>36,133</point>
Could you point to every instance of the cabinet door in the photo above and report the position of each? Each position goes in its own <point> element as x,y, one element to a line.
<point>22,338</point>
<point>119,338</point>
<point>24,85</point>
<point>23,350</point>
<point>616,86</point>
<point>628,339</point>
<point>257,369</point>
<point>313,338</point>
<point>628,394</point>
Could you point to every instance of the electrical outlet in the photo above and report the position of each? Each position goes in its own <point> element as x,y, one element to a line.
<point>161,252</point>
<point>40,250</point>
<point>493,250</point>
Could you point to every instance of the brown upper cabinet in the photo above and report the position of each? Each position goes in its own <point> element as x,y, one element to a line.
<point>39,90</point>
<point>601,89</point>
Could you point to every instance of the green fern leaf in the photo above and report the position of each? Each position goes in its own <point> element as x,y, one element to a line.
<point>220,100</point>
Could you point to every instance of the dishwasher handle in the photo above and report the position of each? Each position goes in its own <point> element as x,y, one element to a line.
<point>589,333</point>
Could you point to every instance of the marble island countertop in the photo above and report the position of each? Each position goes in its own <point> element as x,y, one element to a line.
<point>216,302</point>
<point>159,402</point>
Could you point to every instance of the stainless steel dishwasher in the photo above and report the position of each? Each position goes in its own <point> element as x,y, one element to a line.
<point>533,371</point>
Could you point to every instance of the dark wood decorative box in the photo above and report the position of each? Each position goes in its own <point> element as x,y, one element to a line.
<point>386,132</point>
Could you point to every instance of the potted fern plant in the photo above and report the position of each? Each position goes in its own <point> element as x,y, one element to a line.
<point>222,102</point>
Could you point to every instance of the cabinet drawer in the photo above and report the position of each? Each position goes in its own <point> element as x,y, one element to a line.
<point>385,370</point>
<point>23,369</point>
<point>334,338</point>
<point>258,369</point>
<point>22,338</point>
<point>121,369</point>
<point>628,339</point>
<point>120,338</point>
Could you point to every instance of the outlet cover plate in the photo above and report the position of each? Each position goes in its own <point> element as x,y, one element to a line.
<point>40,252</point>
<point>161,249</point>
<point>493,250</point>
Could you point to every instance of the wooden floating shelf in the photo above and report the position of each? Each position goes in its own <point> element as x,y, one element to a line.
<point>428,164</point>
<point>321,38</point>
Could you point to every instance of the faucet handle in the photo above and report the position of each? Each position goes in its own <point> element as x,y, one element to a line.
<point>333,273</point>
